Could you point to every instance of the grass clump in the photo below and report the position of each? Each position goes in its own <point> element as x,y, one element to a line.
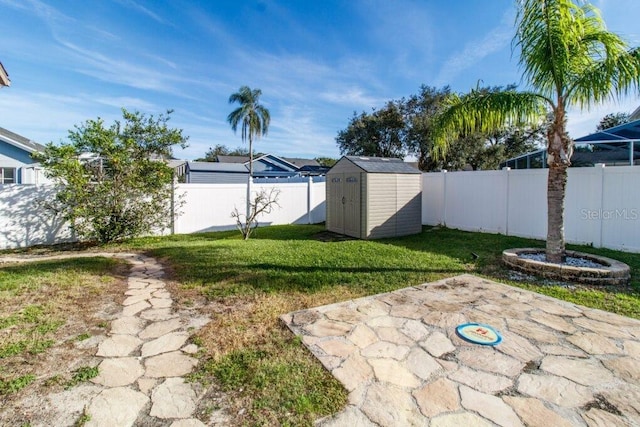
<point>81,375</point>
<point>279,384</point>
<point>16,384</point>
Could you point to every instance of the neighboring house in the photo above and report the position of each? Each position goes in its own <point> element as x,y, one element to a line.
<point>216,173</point>
<point>616,146</point>
<point>16,164</point>
<point>4,77</point>
<point>235,169</point>
<point>179,169</point>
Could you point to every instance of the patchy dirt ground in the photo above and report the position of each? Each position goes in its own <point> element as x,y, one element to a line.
<point>56,378</point>
<point>50,398</point>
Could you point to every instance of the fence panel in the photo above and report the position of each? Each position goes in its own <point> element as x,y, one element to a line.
<point>24,221</point>
<point>620,212</point>
<point>527,202</point>
<point>602,204</point>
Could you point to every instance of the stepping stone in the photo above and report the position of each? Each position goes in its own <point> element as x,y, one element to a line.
<point>164,344</point>
<point>161,302</point>
<point>190,349</point>
<point>457,420</point>
<point>174,364</point>
<point>136,308</point>
<point>157,329</point>
<point>437,397</point>
<point>438,344</point>
<point>118,372</point>
<point>351,417</point>
<point>145,295</point>
<point>118,406</point>
<point>191,422</point>
<point>135,283</point>
<point>161,293</point>
<point>158,314</point>
<point>118,346</point>
<point>146,384</point>
<point>490,407</point>
<point>128,325</point>
<point>173,399</point>
<point>388,405</point>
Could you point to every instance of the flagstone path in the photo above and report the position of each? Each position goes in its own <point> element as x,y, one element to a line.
<point>145,357</point>
<point>399,357</point>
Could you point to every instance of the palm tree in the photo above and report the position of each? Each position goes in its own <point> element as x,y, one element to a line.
<point>568,59</point>
<point>254,117</point>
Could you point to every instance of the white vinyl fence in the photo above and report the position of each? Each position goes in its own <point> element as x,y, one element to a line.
<point>24,221</point>
<point>208,207</point>
<point>602,205</point>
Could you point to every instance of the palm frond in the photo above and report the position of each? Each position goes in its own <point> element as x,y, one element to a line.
<point>481,111</point>
<point>608,79</point>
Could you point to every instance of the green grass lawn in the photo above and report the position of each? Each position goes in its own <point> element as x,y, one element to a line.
<point>285,268</point>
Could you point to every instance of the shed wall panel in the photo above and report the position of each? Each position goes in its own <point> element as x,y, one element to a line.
<point>381,207</point>
<point>409,204</point>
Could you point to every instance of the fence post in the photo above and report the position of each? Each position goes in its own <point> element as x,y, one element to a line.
<point>507,171</point>
<point>309,198</point>
<point>444,198</point>
<point>601,167</point>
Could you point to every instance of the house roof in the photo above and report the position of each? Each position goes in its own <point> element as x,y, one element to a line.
<point>624,132</point>
<point>382,165</point>
<point>4,76</point>
<point>217,167</point>
<point>20,141</point>
<point>233,159</point>
<point>300,163</point>
<point>635,115</point>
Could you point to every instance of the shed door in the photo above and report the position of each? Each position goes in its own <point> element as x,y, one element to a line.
<point>335,221</point>
<point>351,201</point>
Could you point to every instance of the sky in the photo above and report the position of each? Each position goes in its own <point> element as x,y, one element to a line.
<point>316,62</point>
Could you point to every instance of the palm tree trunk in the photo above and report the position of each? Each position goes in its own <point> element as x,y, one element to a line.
<point>249,180</point>
<point>558,159</point>
<point>556,186</point>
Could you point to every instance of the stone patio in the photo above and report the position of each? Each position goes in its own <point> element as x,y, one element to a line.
<point>402,363</point>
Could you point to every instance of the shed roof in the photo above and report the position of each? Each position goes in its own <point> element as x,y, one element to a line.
<point>20,141</point>
<point>383,165</point>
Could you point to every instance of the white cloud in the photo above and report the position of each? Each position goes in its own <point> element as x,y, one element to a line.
<point>496,40</point>
<point>140,8</point>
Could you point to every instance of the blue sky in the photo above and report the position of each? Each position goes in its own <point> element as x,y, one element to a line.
<point>316,62</point>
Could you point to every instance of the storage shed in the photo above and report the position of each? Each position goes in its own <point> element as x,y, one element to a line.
<point>374,197</point>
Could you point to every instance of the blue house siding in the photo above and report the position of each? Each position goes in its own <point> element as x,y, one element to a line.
<point>206,177</point>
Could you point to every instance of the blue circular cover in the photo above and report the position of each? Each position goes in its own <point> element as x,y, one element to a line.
<point>479,333</point>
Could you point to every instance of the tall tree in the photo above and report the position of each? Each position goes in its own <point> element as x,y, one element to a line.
<point>113,181</point>
<point>613,120</point>
<point>380,133</point>
<point>419,111</point>
<point>252,116</point>
<point>213,152</point>
<point>568,59</point>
